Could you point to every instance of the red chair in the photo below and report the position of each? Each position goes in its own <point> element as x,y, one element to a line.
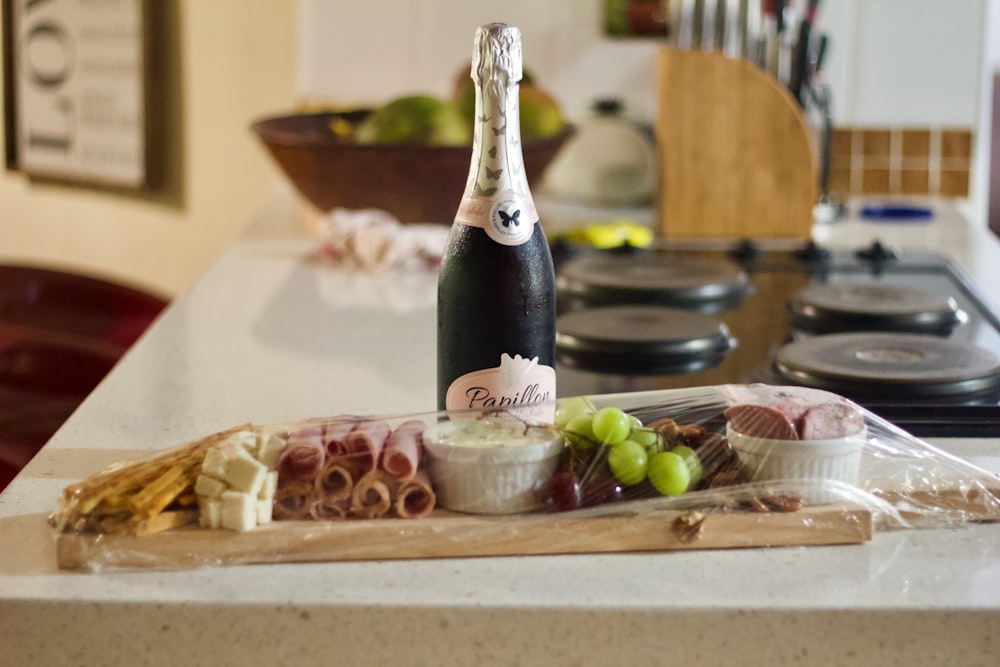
<point>60,334</point>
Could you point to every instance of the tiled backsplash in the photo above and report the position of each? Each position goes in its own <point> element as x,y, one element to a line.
<point>904,161</point>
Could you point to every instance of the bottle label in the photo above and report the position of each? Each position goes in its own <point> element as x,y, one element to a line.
<point>520,386</point>
<point>508,217</point>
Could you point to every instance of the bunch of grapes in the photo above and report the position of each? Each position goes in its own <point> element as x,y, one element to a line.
<point>610,440</point>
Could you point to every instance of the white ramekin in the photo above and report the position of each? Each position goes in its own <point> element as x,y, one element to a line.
<point>490,466</point>
<point>766,459</point>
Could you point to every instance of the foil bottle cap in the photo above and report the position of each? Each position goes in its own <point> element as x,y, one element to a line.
<point>497,54</point>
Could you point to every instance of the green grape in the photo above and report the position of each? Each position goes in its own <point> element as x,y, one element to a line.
<point>574,406</point>
<point>692,461</point>
<point>580,432</point>
<point>668,473</point>
<point>628,461</point>
<point>634,422</point>
<point>611,425</point>
<point>646,437</point>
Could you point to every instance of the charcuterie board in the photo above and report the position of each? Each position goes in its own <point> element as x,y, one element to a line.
<point>445,534</point>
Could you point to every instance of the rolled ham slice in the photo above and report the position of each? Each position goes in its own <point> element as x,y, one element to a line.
<point>335,482</point>
<point>415,497</point>
<point>335,436</point>
<point>303,456</point>
<point>372,495</point>
<point>294,500</point>
<point>366,441</point>
<point>325,509</point>
<point>402,451</point>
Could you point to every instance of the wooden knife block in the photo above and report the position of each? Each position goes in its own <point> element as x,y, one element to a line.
<point>735,157</point>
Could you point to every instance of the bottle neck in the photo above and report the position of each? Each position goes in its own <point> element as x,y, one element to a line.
<point>497,162</point>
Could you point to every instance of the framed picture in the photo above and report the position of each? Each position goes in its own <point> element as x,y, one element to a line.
<point>75,90</point>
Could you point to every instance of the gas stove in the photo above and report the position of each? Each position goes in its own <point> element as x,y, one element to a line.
<point>905,334</point>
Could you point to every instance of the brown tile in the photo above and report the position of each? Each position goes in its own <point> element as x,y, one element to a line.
<point>840,180</point>
<point>915,143</point>
<point>914,181</point>
<point>956,143</point>
<point>874,181</point>
<point>954,183</point>
<point>838,161</point>
<point>841,141</point>
<point>875,143</point>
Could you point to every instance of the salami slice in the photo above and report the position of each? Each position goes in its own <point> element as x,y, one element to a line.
<point>402,452</point>
<point>415,498</point>
<point>761,421</point>
<point>830,421</point>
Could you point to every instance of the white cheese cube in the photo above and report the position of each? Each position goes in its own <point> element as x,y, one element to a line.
<point>209,512</point>
<point>214,464</point>
<point>265,508</point>
<point>270,486</point>
<point>239,510</point>
<point>270,448</point>
<point>246,474</point>
<point>246,439</point>
<point>209,486</point>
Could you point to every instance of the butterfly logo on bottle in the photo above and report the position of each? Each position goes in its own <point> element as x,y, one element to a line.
<point>508,219</point>
<point>511,219</point>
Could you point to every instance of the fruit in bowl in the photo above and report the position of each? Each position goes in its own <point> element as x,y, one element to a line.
<point>418,119</point>
<point>409,157</point>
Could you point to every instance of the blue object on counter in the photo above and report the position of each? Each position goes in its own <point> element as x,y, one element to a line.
<point>901,212</point>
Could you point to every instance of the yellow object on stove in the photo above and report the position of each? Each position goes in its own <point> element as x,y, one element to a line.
<point>612,235</point>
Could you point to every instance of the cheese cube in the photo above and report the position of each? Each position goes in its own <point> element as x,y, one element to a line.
<point>209,486</point>
<point>270,448</point>
<point>209,512</point>
<point>245,473</point>
<point>270,486</point>
<point>265,508</point>
<point>239,510</point>
<point>214,463</point>
<point>246,439</point>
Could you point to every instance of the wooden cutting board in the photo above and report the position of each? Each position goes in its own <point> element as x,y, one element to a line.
<point>444,535</point>
<point>736,158</point>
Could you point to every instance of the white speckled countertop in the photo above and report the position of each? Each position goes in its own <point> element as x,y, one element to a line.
<point>270,335</point>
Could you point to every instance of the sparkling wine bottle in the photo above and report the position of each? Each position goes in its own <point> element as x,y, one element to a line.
<point>496,290</point>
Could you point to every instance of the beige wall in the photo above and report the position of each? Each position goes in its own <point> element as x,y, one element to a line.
<point>229,62</point>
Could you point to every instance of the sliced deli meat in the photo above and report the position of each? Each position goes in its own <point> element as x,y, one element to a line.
<point>293,500</point>
<point>830,421</point>
<point>372,495</point>
<point>402,452</point>
<point>303,455</point>
<point>366,441</point>
<point>761,421</point>
<point>335,482</point>
<point>415,497</point>
<point>335,436</point>
<point>324,509</point>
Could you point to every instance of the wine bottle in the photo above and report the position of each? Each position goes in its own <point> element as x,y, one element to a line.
<point>496,289</point>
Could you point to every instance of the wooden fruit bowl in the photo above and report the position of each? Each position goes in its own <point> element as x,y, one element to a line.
<point>416,183</point>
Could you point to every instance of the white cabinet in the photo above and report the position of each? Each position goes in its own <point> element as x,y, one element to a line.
<point>896,63</point>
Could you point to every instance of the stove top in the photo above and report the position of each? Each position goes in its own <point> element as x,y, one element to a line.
<point>906,334</point>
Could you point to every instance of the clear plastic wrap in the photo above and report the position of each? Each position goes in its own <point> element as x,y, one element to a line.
<point>730,466</point>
